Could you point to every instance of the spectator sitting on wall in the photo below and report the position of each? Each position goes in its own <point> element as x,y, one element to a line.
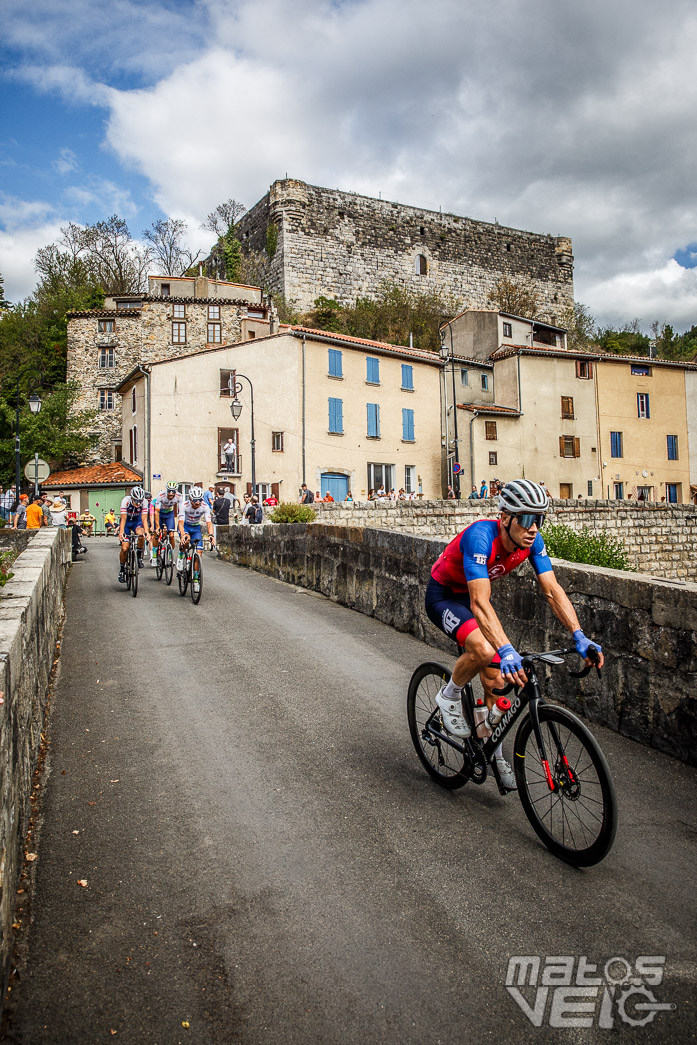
<point>271,500</point>
<point>381,493</point>
<point>110,523</point>
<point>87,521</point>
<point>371,495</point>
<point>474,496</point>
<point>328,499</point>
<point>318,497</point>
<point>348,499</point>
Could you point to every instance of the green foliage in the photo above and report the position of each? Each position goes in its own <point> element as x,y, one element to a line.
<point>289,512</point>
<point>3,303</point>
<point>232,254</point>
<point>516,296</point>
<point>6,560</point>
<point>627,341</point>
<point>271,239</point>
<point>396,313</point>
<point>580,328</point>
<point>594,547</point>
<point>670,345</point>
<point>58,433</point>
<point>287,309</point>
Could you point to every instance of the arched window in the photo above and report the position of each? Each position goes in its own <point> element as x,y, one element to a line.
<point>420,265</point>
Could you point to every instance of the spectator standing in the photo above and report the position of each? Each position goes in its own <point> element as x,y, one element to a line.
<point>328,499</point>
<point>348,499</point>
<point>451,494</point>
<point>247,510</point>
<point>59,513</point>
<point>484,491</point>
<point>35,515</point>
<point>319,498</point>
<point>256,515</point>
<point>221,510</point>
<point>20,516</point>
<point>474,496</point>
<point>230,452</point>
<point>306,496</point>
<point>380,493</point>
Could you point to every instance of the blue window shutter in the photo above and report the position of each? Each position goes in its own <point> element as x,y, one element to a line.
<point>336,418</point>
<point>407,376</point>
<point>407,424</point>
<point>372,370</point>
<point>373,420</point>
<point>335,361</point>
<point>648,412</point>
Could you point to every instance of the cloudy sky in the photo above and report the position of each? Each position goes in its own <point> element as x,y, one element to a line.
<point>571,119</point>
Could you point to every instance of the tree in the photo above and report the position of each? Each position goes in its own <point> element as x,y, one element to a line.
<point>516,296</point>
<point>580,327</point>
<point>166,247</point>
<point>627,341</point>
<point>3,303</point>
<point>103,254</point>
<point>58,433</point>
<point>223,218</point>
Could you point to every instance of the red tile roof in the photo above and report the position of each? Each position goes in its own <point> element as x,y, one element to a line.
<point>482,408</point>
<point>115,474</point>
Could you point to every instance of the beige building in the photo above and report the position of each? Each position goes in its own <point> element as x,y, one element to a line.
<point>643,433</point>
<point>336,412</point>
<point>178,315</point>
<point>691,403</point>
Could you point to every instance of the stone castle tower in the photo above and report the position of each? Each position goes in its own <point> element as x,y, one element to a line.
<point>342,245</point>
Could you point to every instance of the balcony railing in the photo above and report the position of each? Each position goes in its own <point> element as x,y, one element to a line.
<point>236,470</point>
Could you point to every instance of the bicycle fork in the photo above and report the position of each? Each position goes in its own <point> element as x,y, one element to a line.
<point>565,774</point>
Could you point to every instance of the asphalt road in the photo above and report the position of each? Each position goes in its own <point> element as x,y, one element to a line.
<point>266,862</point>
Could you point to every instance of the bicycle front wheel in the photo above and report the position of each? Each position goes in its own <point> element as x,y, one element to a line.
<point>160,561</point>
<point>129,570</point>
<point>183,578</point>
<point>134,581</point>
<point>168,564</point>
<point>441,761</point>
<point>196,578</point>
<point>577,818</point>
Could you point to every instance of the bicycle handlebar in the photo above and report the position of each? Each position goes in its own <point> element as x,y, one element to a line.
<point>529,659</point>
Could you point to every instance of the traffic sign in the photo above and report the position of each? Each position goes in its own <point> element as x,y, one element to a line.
<point>37,471</point>
<point>457,468</point>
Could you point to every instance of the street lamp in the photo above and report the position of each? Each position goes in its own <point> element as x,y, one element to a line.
<point>236,410</point>
<point>449,356</point>
<point>35,406</point>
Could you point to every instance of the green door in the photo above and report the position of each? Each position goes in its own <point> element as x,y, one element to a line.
<point>100,501</point>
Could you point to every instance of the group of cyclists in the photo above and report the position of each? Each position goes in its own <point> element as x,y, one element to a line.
<point>172,512</point>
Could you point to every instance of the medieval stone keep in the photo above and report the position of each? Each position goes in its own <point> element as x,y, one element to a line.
<point>342,245</point>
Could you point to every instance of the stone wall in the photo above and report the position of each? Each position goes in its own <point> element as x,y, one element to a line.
<point>141,336</point>
<point>648,627</point>
<point>30,615</point>
<point>659,538</point>
<point>343,245</point>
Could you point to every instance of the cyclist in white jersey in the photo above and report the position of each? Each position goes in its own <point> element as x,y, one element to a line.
<point>189,522</point>
<point>134,519</point>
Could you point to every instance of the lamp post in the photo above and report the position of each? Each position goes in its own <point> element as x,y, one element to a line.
<point>35,406</point>
<point>236,410</point>
<point>449,356</point>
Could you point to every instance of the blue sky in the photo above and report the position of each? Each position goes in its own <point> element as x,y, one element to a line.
<point>573,120</point>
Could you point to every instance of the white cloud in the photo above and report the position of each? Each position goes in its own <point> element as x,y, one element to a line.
<point>18,248</point>
<point>667,294</point>
<point>66,162</point>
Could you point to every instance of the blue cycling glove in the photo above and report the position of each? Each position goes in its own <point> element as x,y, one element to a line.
<point>583,644</point>
<point>510,660</point>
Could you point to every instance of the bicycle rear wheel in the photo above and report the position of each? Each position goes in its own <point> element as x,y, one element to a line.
<point>196,578</point>
<point>134,581</point>
<point>183,577</point>
<point>160,561</point>
<point>441,761</point>
<point>577,820</point>
<point>129,572</point>
<point>168,563</point>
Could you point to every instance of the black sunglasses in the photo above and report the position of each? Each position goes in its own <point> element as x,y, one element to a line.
<point>528,519</point>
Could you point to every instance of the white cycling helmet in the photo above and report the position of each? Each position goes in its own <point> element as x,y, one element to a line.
<point>137,494</point>
<point>522,495</point>
<point>195,493</point>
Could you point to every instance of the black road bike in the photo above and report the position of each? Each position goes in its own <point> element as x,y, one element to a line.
<point>564,782</point>
<point>164,563</point>
<point>192,574</point>
<point>132,565</point>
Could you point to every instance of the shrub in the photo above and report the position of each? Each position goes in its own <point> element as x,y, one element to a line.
<point>585,545</point>
<point>288,512</point>
<point>6,560</point>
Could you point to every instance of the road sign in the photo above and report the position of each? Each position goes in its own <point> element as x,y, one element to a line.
<point>457,468</point>
<point>42,472</point>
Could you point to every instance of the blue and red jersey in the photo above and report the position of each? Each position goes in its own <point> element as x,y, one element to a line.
<point>478,552</point>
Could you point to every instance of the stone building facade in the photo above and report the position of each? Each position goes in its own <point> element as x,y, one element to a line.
<point>178,316</point>
<point>343,245</point>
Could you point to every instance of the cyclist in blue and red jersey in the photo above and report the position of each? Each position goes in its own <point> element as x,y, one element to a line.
<point>458,601</point>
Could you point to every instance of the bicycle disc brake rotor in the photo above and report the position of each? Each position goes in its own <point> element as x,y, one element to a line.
<point>566,782</point>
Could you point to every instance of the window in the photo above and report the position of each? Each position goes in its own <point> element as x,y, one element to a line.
<point>106,326</point>
<point>372,376</point>
<point>485,382</point>
<point>380,475</point>
<point>567,407</point>
<point>464,377</point>
<point>164,290</point>
<point>127,304</point>
<point>227,383</point>
<point>178,333</point>
<point>493,457</point>
<point>640,370</point>
<point>336,416</point>
<point>508,330</point>
<point>106,358</point>
<point>616,444</point>
<point>335,363</point>
<point>407,377</point>
<point>179,311</point>
<point>277,442</point>
<point>130,445</point>
<point>410,478</point>
<point>135,442</point>
<point>644,493</point>
<point>642,404</point>
<point>490,430</point>
<point>619,491</point>
<point>420,265</point>
<point>133,399</point>
<point>213,334</point>
<point>251,334</point>
<point>590,487</point>
<point>673,491</point>
<point>672,447</point>
<point>106,399</point>
<point>408,426</point>
<point>373,421</point>
<point>584,369</point>
<point>214,311</point>
<point>569,446</point>
<point>230,460</point>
